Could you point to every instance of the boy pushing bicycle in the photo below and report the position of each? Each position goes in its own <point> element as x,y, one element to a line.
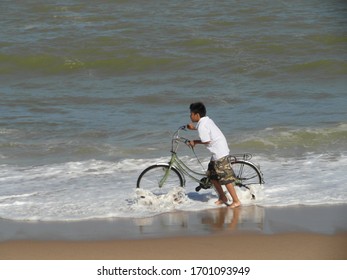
<point>219,168</point>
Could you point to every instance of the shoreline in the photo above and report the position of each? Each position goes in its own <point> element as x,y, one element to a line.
<point>249,232</point>
<point>327,219</point>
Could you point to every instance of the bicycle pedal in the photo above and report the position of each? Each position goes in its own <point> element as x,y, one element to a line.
<point>197,189</point>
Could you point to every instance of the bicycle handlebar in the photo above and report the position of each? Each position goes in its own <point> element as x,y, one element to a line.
<point>183,127</point>
<point>177,138</point>
<point>183,140</point>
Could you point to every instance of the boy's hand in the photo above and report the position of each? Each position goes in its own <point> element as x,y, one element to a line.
<point>191,126</point>
<point>192,143</point>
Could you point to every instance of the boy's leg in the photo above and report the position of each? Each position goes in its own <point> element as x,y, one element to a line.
<point>221,195</point>
<point>222,199</point>
<point>231,190</point>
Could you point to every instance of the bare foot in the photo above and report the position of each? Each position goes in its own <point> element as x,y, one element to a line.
<point>235,205</point>
<point>219,202</point>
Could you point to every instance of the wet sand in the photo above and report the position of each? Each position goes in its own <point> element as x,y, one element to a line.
<point>255,233</point>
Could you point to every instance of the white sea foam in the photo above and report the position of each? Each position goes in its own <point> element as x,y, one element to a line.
<point>102,189</point>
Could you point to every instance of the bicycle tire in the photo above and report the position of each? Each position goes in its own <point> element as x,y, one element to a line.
<point>246,173</point>
<point>150,177</point>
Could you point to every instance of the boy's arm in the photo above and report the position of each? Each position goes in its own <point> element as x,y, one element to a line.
<point>192,143</point>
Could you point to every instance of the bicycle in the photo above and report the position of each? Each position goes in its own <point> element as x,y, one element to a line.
<point>158,178</point>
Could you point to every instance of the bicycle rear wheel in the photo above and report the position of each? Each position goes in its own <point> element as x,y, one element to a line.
<point>151,178</point>
<point>246,173</point>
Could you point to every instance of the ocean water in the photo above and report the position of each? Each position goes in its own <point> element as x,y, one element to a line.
<point>90,94</point>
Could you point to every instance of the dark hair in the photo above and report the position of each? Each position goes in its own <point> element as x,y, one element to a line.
<point>198,108</point>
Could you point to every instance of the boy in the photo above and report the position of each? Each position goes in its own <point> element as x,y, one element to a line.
<point>219,168</point>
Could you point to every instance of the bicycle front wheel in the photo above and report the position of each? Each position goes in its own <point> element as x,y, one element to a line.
<point>246,173</point>
<point>159,180</point>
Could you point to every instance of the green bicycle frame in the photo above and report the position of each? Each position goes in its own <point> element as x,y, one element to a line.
<point>167,172</point>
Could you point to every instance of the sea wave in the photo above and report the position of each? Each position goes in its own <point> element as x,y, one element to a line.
<point>294,141</point>
<point>103,189</point>
<point>19,146</point>
<point>54,64</point>
<point>331,67</point>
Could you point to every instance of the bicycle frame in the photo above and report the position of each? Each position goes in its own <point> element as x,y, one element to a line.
<point>178,164</point>
<point>184,170</point>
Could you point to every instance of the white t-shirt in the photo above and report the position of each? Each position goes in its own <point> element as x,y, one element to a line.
<point>210,132</point>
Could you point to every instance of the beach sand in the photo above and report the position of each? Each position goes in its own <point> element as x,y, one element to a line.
<point>294,246</point>
<point>249,233</point>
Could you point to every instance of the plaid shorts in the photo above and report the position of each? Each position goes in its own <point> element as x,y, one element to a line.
<point>221,170</point>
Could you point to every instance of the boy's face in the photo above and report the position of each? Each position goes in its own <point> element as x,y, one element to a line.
<point>195,117</point>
